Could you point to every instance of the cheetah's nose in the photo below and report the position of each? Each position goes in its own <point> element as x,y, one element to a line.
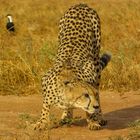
<point>96,107</point>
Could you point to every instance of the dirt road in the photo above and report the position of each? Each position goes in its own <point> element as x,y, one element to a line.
<point>118,109</point>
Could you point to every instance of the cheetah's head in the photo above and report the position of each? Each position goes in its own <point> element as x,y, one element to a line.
<point>82,95</point>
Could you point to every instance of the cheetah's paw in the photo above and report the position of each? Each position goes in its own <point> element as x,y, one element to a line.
<point>94,125</point>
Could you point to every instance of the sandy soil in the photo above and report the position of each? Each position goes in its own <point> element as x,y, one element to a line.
<point>118,109</point>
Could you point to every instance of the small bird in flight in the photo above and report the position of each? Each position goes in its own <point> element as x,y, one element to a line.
<point>10,25</point>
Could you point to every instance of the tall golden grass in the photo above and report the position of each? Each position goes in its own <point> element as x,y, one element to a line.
<point>27,54</point>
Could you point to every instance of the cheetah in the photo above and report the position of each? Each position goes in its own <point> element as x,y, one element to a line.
<point>78,52</point>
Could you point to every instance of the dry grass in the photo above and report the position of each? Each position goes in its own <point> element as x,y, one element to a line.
<point>28,53</point>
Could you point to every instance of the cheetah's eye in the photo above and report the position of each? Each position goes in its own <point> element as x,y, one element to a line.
<point>86,95</point>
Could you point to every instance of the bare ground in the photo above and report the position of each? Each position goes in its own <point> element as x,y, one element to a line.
<point>118,109</point>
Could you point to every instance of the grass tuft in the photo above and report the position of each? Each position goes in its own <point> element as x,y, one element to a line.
<point>135,130</point>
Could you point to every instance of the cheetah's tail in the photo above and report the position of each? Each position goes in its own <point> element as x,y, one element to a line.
<point>104,60</point>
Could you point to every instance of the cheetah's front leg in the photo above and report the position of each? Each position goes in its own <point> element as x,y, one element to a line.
<point>44,120</point>
<point>95,120</point>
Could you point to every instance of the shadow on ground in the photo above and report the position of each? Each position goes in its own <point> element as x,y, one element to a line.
<point>118,119</point>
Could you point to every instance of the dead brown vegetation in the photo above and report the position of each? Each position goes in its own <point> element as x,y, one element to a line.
<point>28,53</point>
